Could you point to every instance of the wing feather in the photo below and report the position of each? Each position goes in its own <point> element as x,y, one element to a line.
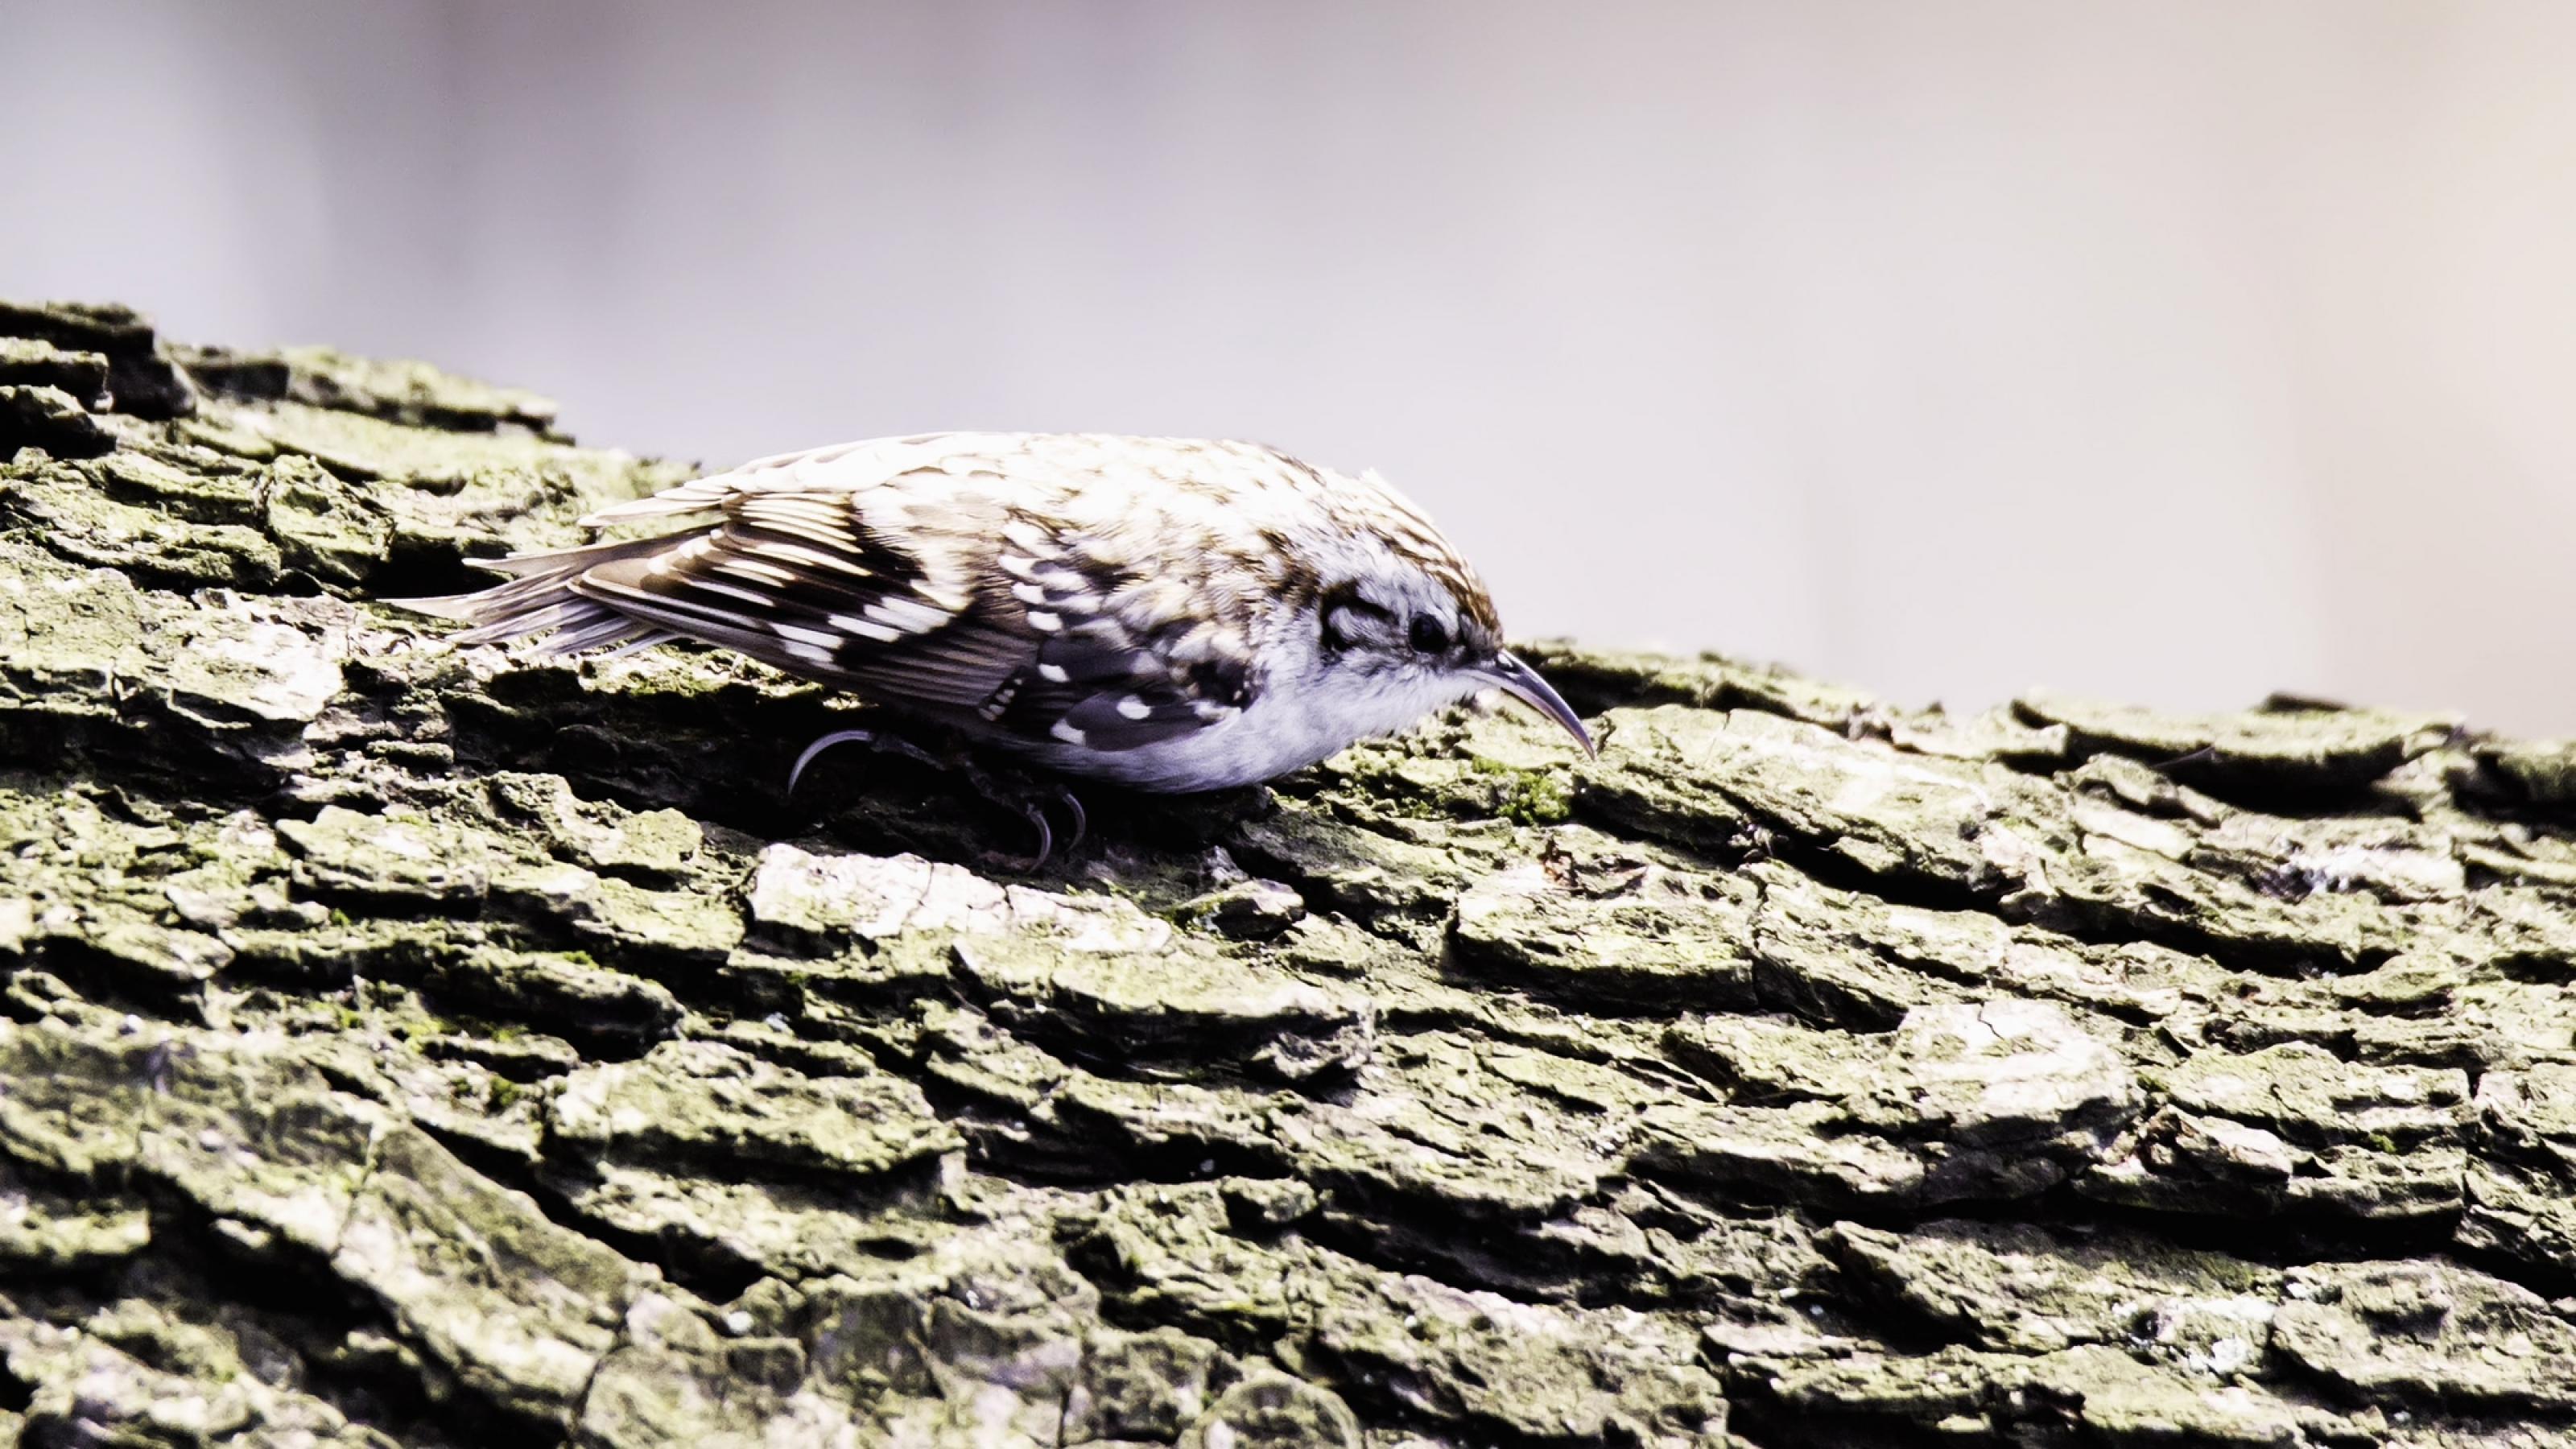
<point>898,569</point>
<point>800,581</point>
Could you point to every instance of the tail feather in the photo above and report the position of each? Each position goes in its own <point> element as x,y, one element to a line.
<point>538,598</point>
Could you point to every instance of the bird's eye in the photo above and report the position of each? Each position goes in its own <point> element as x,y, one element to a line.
<point>1428,636</point>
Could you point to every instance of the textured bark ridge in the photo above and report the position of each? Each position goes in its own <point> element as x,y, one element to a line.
<point>416,1045</point>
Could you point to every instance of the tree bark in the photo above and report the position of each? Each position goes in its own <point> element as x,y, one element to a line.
<point>408,1044</point>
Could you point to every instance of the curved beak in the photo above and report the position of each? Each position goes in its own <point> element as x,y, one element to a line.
<point>1521,682</point>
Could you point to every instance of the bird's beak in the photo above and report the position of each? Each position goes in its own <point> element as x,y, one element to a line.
<point>1521,682</point>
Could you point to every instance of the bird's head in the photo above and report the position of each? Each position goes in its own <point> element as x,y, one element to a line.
<point>1410,623</point>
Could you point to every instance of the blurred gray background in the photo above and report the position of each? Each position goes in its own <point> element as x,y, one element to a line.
<point>2174,352</point>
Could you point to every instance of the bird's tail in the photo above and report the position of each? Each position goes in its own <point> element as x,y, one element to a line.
<point>539,598</point>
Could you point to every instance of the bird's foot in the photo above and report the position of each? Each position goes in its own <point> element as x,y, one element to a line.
<point>1029,797</point>
<point>1018,793</point>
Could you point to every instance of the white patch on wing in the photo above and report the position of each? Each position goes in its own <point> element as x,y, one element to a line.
<point>814,558</point>
<point>1053,673</point>
<point>689,552</point>
<point>1044,622</point>
<point>756,571</point>
<point>762,602</point>
<point>1134,708</point>
<point>865,628</point>
<point>909,615</point>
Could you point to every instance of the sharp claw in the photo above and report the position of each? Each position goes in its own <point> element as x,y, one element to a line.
<point>888,744</point>
<point>836,737</point>
<point>1030,865</point>
<point>1046,837</point>
<point>983,784</point>
<point>1081,818</point>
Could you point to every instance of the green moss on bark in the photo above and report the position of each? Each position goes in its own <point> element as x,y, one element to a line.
<point>409,1044</point>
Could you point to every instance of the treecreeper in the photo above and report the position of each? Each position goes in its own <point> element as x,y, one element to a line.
<point>414,1036</point>
<point>1165,613</point>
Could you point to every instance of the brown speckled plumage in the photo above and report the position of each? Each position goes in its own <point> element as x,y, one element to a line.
<point>1170,613</point>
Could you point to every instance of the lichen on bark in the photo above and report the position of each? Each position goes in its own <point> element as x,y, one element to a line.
<point>406,1044</point>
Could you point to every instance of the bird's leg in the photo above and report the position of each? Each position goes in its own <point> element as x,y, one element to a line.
<point>1021,794</point>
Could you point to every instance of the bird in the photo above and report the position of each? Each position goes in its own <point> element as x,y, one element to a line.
<point>1169,615</point>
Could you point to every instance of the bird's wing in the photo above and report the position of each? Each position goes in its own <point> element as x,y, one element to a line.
<point>921,591</point>
<point>1131,651</point>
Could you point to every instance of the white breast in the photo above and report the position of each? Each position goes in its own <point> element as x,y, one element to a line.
<point>1305,711</point>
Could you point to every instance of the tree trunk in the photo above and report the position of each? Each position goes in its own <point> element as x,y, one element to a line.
<point>421,1045</point>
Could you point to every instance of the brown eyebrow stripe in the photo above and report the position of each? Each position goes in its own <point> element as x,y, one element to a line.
<point>1347,596</point>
